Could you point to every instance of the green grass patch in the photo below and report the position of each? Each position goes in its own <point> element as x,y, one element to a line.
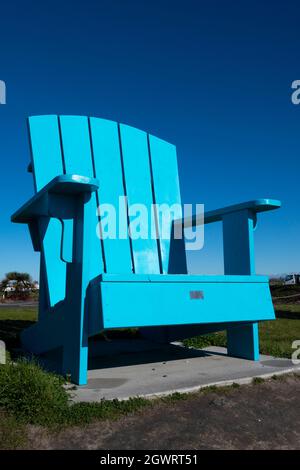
<point>34,396</point>
<point>291,308</point>
<point>215,339</point>
<point>18,313</point>
<point>84,413</point>
<point>31,394</point>
<point>283,291</point>
<point>276,337</point>
<point>257,380</point>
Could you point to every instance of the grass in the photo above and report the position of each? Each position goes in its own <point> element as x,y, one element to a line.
<point>276,337</point>
<point>293,308</point>
<point>214,339</point>
<point>283,291</point>
<point>31,394</point>
<point>258,380</point>
<point>17,313</point>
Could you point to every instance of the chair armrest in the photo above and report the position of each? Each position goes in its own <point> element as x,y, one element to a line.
<point>44,203</point>
<point>258,205</point>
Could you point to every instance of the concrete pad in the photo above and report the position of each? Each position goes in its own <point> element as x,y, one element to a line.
<point>153,370</point>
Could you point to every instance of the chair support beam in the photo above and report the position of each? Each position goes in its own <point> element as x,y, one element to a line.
<point>238,243</point>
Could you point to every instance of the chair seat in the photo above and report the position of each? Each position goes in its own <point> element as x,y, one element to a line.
<point>133,300</point>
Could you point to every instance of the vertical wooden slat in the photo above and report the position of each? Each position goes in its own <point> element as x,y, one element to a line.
<point>108,170</point>
<point>167,191</point>
<point>138,189</point>
<point>47,163</point>
<point>75,137</point>
<point>47,160</point>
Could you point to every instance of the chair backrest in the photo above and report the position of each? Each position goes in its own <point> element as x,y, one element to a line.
<point>127,162</point>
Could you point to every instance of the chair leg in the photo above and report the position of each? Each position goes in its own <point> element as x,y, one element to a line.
<point>75,347</point>
<point>75,362</point>
<point>243,341</point>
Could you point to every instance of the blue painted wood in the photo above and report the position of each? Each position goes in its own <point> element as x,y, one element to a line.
<point>47,163</point>
<point>41,204</point>
<point>183,278</point>
<point>243,341</point>
<point>167,192</point>
<point>108,169</point>
<point>172,303</point>
<point>77,152</point>
<point>258,205</point>
<point>239,259</point>
<point>238,242</point>
<point>88,285</point>
<point>138,191</point>
<point>75,346</point>
<point>46,154</point>
<point>87,253</point>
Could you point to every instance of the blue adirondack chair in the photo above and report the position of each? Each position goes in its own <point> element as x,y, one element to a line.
<point>88,285</point>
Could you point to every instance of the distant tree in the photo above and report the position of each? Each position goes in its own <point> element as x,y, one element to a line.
<point>21,284</point>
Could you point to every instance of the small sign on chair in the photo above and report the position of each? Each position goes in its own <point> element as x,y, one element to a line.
<point>196,294</point>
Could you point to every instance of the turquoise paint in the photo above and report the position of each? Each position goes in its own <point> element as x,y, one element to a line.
<point>77,152</point>
<point>47,163</point>
<point>167,303</point>
<point>138,190</point>
<point>88,285</point>
<point>167,191</point>
<point>108,169</point>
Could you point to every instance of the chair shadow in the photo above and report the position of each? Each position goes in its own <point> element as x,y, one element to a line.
<point>123,349</point>
<point>287,315</point>
<point>137,352</point>
<point>10,332</point>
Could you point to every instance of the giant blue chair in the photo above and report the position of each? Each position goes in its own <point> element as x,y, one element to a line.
<point>90,284</point>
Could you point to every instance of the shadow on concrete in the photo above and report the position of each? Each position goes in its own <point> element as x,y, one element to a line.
<point>125,349</point>
<point>122,353</point>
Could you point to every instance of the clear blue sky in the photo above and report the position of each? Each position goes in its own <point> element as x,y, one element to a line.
<point>213,77</point>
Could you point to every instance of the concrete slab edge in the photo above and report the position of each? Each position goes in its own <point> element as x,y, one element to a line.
<point>221,383</point>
